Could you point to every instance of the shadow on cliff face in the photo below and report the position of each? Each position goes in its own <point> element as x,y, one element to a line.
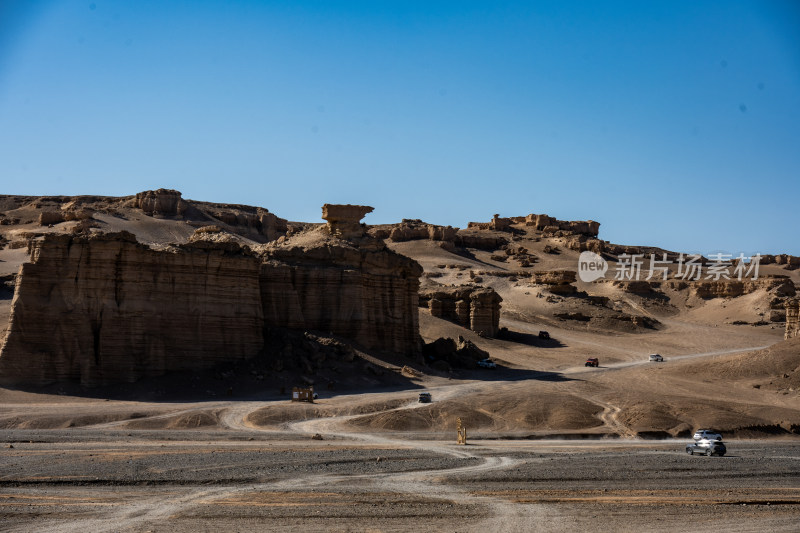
<point>332,365</point>
<point>329,363</point>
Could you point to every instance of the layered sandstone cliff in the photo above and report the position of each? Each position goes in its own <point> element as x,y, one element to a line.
<point>359,290</point>
<point>104,308</point>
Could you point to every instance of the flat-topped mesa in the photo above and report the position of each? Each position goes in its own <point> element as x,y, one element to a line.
<point>792,319</point>
<point>102,308</point>
<point>159,203</point>
<point>344,220</point>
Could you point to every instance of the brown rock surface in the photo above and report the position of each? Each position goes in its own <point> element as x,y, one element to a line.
<point>734,288</point>
<point>344,220</point>
<point>104,309</point>
<point>792,319</point>
<point>159,203</point>
<point>557,281</point>
<point>412,229</point>
<point>477,308</point>
<point>547,223</point>
<point>362,291</point>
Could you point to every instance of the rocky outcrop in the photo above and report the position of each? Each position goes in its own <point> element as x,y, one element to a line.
<point>583,243</point>
<point>363,292</point>
<point>497,223</point>
<point>414,229</point>
<point>548,224</point>
<point>734,288</point>
<point>476,308</point>
<point>344,220</point>
<point>159,203</point>
<point>246,220</point>
<point>792,319</point>
<point>453,353</point>
<point>556,281</point>
<point>645,289</point>
<point>47,218</point>
<point>103,309</point>
<point>479,240</point>
<point>789,262</point>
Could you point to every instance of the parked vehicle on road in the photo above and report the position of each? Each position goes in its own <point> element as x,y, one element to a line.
<point>487,363</point>
<point>706,447</point>
<point>592,361</point>
<point>655,357</point>
<point>424,397</point>
<point>708,434</point>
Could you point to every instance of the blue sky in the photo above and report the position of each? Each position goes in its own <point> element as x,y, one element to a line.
<point>674,124</point>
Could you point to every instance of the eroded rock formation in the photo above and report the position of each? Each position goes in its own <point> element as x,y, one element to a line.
<point>548,224</point>
<point>789,262</point>
<point>159,203</point>
<point>556,281</point>
<point>246,220</point>
<point>497,223</point>
<point>733,288</point>
<point>364,291</point>
<point>792,319</point>
<point>344,220</point>
<point>414,229</point>
<point>103,308</point>
<point>477,308</point>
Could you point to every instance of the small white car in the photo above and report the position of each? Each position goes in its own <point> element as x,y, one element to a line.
<point>706,434</point>
<point>655,357</point>
<point>487,363</point>
<point>706,447</point>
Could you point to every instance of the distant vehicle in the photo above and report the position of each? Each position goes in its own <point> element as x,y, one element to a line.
<point>706,447</point>
<point>487,363</point>
<point>424,397</point>
<point>708,434</point>
<point>544,335</point>
<point>655,357</point>
<point>592,361</point>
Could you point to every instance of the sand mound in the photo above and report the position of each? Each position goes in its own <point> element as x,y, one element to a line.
<point>197,419</point>
<point>779,363</point>
<point>36,421</point>
<point>504,412</point>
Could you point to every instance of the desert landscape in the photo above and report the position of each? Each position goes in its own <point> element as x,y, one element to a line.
<point>151,344</point>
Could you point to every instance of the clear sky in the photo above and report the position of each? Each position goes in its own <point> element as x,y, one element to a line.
<point>674,124</point>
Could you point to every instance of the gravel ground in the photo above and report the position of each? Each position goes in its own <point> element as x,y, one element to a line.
<point>137,481</point>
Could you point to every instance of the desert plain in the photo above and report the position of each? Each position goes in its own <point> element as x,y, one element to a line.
<point>552,445</point>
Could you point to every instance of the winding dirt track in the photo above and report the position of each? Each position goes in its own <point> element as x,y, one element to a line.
<point>149,510</point>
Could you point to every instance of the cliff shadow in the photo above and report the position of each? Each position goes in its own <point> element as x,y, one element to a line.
<point>529,339</point>
<point>292,359</point>
<point>503,373</point>
<point>466,254</point>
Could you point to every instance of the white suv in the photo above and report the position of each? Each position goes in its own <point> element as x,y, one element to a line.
<point>707,434</point>
<point>655,357</point>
